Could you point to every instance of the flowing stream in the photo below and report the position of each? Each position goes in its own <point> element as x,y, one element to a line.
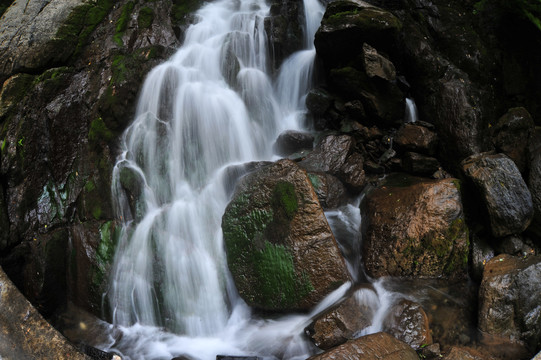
<point>212,105</point>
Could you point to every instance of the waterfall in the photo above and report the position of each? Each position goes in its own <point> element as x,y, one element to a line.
<point>411,111</point>
<point>213,104</point>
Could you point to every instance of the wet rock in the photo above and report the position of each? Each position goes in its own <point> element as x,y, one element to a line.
<point>379,346</point>
<point>511,135</point>
<point>335,155</point>
<point>534,184</point>
<point>411,137</point>
<point>133,184</point>
<point>291,141</point>
<point>280,249</point>
<point>344,322</point>
<point>416,228</point>
<point>466,353</point>
<point>318,101</point>
<point>284,29</point>
<point>24,334</point>
<point>508,300</point>
<point>504,192</point>
<point>382,101</point>
<point>481,253</point>
<point>431,351</point>
<point>408,322</point>
<point>330,191</point>
<point>348,22</point>
<point>376,65</point>
<point>418,164</point>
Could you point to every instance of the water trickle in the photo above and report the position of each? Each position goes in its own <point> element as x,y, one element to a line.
<point>411,111</point>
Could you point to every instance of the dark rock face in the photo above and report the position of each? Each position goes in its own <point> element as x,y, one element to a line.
<point>408,322</point>
<point>504,192</point>
<point>535,188</point>
<point>284,29</point>
<point>509,300</point>
<point>416,228</point>
<point>511,136</point>
<point>24,334</point>
<point>377,65</point>
<point>346,23</point>
<point>290,142</point>
<point>70,89</point>
<point>330,191</point>
<point>379,346</point>
<point>419,164</point>
<point>411,137</point>
<point>342,323</point>
<point>280,249</point>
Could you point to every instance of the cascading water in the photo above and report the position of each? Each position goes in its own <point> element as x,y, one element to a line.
<point>210,106</point>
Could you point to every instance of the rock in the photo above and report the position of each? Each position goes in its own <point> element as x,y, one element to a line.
<point>408,322</point>
<point>342,323</point>
<point>509,299</point>
<point>431,351</point>
<point>418,164</point>
<point>284,29</point>
<point>534,184</point>
<point>481,253</point>
<point>511,136</point>
<point>416,228</point>
<point>537,357</point>
<point>330,191</point>
<point>291,141</point>
<point>466,353</point>
<point>376,64</point>
<point>318,101</point>
<point>379,346</point>
<point>133,185</point>
<point>411,137</point>
<point>334,155</point>
<point>503,191</point>
<point>280,249</point>
<point>382,101</point>
<point>24,334</point>
<point>346,23</point>
<point>30,33</point>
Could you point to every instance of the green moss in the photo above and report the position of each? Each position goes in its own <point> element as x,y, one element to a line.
<point>105,252</point>
<point>99,131</point>
<point>181,8</point>
<point>119,69</point>
<point>279,286</point>
<point>96,211</point>
<point>89,186</point>
<point>145,17</point>
<point>122,22</point>
<point>13,92</point>
<point>285,198</point>
<point>82,21</point>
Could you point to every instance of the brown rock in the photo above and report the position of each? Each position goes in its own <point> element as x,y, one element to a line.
<point>408,322</point>
<point>379,346</point>
<point>377,65</point>
<point>24,334</point>
<point>330,191</point>
<point>411,137</point>
<point>416,228</point>
<point>466,353</point>
<point>280,248</point>
<point>419,164</point>
<point>509,299</point>
<point>342,323</point>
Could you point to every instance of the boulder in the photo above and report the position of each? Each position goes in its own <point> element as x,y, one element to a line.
<point>382,101</point>
<point>29,33</point>
<point>344,322</point>
<point>408,322</point>
<point>376,65</point>
<point>335,155</point>
<point>290,142</point>
<point>280,248</point>
<point>481,253</point>
<point>416,228</point>
<point>534,182</point>
<point>509,300</point>
<point>511,135</point>
<point>330,191</point>
<point>419,164</point>
<point>466,353</point>
<point>348,22</point>
<point>412,137</point>
<point>503,191</point>
<point>379,346</point>
<point>318,101</point>
<point>24,334</point>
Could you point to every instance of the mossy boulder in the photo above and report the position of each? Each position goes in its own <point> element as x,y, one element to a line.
<point>416,228</point>
<point>280,248</point>
<point>348,23</point>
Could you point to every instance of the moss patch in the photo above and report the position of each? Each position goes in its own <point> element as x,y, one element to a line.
<point>105,252</point>
<point>285,198</point>
<point>181,8</point>
<point>145,17</point>
<point>99,131</point>
<point>80,24</point>
<point>122,22</point>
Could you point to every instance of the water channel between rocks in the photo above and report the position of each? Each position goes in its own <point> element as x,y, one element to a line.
<point>212,105</point>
